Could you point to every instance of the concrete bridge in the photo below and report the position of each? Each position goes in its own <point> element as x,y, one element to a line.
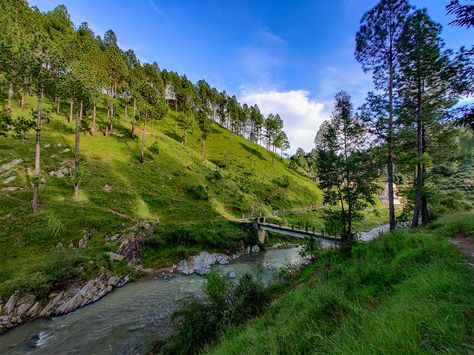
<point>263,227</point>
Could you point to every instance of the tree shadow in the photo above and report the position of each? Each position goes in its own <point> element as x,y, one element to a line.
<point>252,151</point>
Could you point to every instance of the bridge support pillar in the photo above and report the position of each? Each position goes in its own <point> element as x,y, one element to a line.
<point>262,236</point>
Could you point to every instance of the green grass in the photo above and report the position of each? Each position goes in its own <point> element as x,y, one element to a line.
<point>404,293</point>
<point>116,190</point>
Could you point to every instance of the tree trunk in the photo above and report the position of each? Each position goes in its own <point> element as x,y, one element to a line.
<point>142,155</point>
<point>93,120</point>
<point>107,124</point>
<point>126,110</point>
<point>10,97</point>
<point>58,105</point>
<point>202,148</point>
<point>22,102</point>
<point>185,134</point>
<point>76,152</point>
<point>425,213</point>
<point>419,172</point>
<point>391,203</point>
<point>134,116</point>
<point>34,201</point>
<point>71,108</point>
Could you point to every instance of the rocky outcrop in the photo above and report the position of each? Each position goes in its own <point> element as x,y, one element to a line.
<point>201,264</point>
<point>18,309</point>
<point>130,242</point>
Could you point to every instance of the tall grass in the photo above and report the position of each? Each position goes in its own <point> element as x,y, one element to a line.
<point>404,293</point>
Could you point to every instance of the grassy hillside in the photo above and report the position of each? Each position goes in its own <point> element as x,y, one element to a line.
<point>175,188</point>
<point>404,293</point>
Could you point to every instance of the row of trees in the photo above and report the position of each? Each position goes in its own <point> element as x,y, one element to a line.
<point>407,119</point>
<point>43,54</point>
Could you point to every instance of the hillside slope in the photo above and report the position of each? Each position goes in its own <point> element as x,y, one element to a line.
<point>174,188</point>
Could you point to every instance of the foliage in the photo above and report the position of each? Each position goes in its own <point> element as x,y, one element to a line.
<point>199,322</point>
<point>22,126</point>
<point>200,191</point>
<point>154,148</point>
<point>402,291</point>
<point>346,170</point>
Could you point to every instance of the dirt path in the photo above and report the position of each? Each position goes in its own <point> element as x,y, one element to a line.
<point>466,247</point>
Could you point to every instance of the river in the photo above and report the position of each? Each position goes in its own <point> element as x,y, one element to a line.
<point>126,318</point>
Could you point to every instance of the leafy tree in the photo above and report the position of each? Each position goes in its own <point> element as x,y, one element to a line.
<point>465,18</point>
<point>428,90</point>
<point>42,63</point>
<point>346,168</point>
<point>378,51</point>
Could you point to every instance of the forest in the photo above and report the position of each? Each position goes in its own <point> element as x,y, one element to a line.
<point>114,170</point>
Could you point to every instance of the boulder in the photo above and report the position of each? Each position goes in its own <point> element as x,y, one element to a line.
<point>83,241</point>
<point>9,179</point>
<point>10,188</point>
<point>24,304</point>
<point>10,165</point>
<point>10,305</point>
<point>66,150</point>
<point>114,256</point>
<point>222,259</point>
<point>255,249</point>
<point>232,275</point>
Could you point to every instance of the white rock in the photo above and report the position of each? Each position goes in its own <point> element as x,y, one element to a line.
<point>66,150</point>
<point>10,165</point>
<point>10,188</point>
<point>232,275</point>
<point>11,303</point>
<point>255,249</point>
<point>9,179</point>
<point>24,304</point>
<point>114,256</point>
<point>47,145</point>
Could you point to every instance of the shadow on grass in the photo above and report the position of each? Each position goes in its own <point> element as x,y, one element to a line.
<point>252,150</point>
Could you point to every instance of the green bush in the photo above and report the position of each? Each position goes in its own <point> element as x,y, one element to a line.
<point>154,148</point>
<point>199,191</point>
<point>214,176</point>
<point>199,322</point>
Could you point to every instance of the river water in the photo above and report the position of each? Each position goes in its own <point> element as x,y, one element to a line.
<point>122,321</point>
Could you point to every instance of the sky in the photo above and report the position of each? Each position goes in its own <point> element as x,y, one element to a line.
<point>289,57</point>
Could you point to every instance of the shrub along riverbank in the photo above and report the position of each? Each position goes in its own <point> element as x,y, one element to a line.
<point>406,292</point>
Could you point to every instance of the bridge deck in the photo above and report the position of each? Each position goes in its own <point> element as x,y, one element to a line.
<point>298,233</point>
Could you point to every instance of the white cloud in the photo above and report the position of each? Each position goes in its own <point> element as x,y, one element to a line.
<point>301,115</point>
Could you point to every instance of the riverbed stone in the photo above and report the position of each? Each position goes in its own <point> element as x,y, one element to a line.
<point>255,249</point>
<point>232,275</point>
<point>222,259</point>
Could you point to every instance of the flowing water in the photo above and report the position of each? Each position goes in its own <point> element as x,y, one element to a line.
<point>122,321</point>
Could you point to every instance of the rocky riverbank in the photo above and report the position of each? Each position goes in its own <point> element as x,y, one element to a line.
<point>19,308</point>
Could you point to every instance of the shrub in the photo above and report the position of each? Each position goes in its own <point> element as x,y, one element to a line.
<point>154,148</point>
<point>199,322</point>
<point>282,181</point>
<point>201,192</point>
<point>214,176</point>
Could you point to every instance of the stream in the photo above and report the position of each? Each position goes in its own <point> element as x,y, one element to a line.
<point>124,320</point>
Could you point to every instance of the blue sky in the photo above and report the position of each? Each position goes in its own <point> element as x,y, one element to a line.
<point>289,57</point>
